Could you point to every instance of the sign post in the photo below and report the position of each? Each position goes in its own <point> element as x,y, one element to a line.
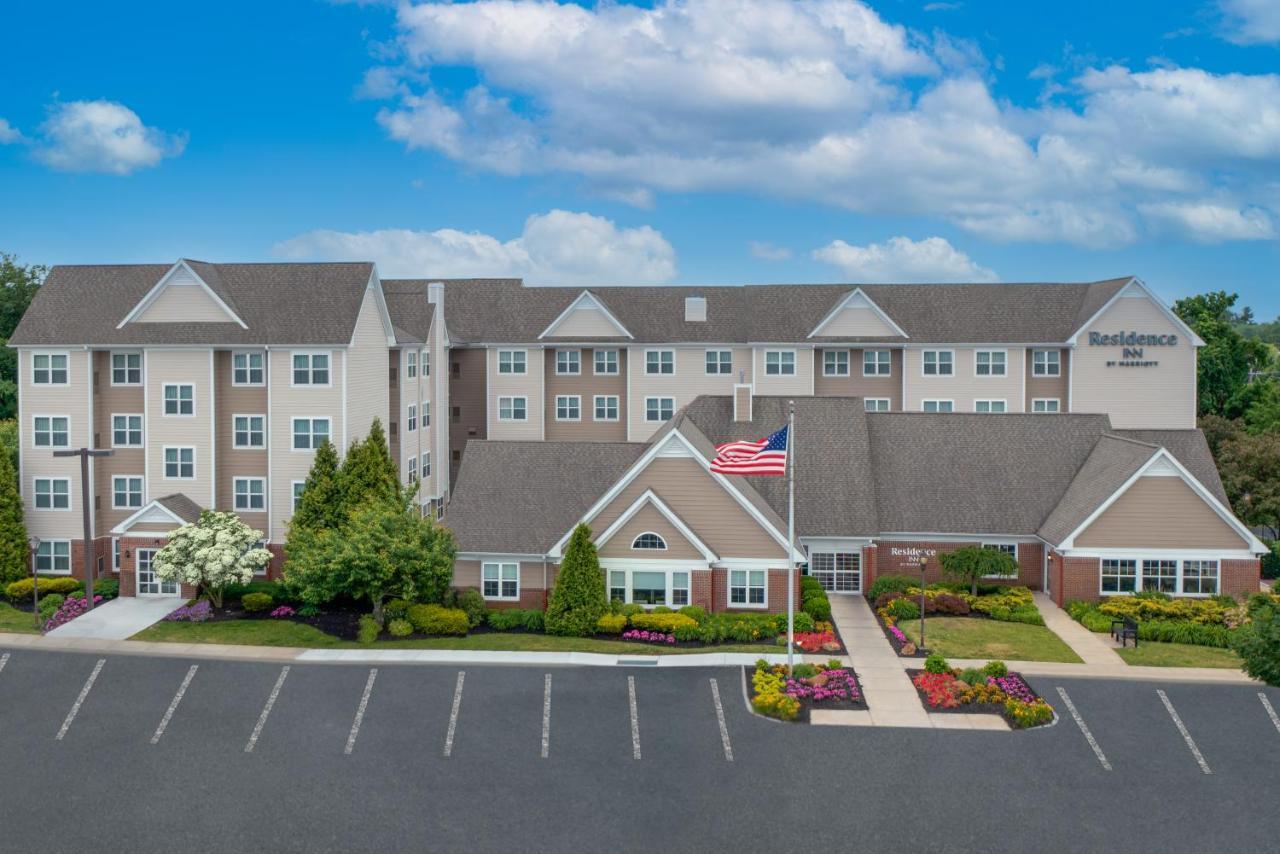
<point>84,454</point>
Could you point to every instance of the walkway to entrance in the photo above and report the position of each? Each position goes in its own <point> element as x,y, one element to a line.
<point>120,618</point>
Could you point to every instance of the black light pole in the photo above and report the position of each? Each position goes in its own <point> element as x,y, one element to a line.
<point>34,542</point>
<point>924,563</point>
<point>84,454</point>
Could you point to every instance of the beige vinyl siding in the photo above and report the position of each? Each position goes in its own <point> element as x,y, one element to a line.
<point>111,400</point>
<point>649,519</point>
<point>366,397</point>
<point>702,504</point>
<point>586,386</point>
<point>585,323</point>
<point>1048,387</point>
<point>232,462</point>
<point>527,385</point>
<point>856,385</point>
<point>801,383</point>
<point>288,402</point>
<point>1160,513</point>
<point>187,367</point>
<point>468,393</point>
<point>690,380</point>
<point>964,387</point>
<point>466,573</point>
<point>71,400</point>
<point>184,300</point>
<point>858,322</point>
<point>1161,396</point>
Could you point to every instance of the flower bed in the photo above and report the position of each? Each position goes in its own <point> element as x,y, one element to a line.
<point>643,636</point>
<point>898,600</point>
<point>1200,622</point>
<point>991,690</point>
<point>792,697</point>
<point>71,607</point>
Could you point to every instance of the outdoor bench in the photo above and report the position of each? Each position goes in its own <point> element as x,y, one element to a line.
<point>1125,629</point>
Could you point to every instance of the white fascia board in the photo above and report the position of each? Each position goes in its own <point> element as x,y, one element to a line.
<point>375,285</point>
<point>159,287</point>
<point>1135,282</point>
<point>585,296</point>
<point>848,298</point>
<point>649,497</point>
<point>916,536</point>
<point>154,504</point>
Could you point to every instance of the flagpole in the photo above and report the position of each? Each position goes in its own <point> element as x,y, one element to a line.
<point>791,536</point>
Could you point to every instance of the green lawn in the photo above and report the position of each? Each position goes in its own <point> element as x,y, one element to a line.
<point>970,637</point>
<point>1154,654</point>
<point>289,633</point>
<point>13,620</point>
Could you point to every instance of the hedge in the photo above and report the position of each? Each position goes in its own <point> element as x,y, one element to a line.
<point>438,620</point>
<point>509,619</point>
<point>20,590</point>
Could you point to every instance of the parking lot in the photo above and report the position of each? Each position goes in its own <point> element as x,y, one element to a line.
<point>244,756</point>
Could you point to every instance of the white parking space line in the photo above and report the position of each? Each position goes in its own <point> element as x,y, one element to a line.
<point>724,730</point>
<point>1266,704</point>
<point>453,715</point>
<point>1088,736</point>
<point>1182,728</point>
<point>546,717</point>
<point>635,718</point>
<point>364,704</point>
<point>266,710</point>
<point>4,659</point>
<point>84,692</point>
<point>177,698</point>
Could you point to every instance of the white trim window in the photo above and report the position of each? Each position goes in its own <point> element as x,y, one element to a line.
<point>1160,574</point>
<point>310,369</point>
<point>500,580</point>
<point>569,362</point>
<point>606,406</point>
<point>426,362</point>
<point>1046,363</point>
<point>748,588</point>
<point>1011,549</point>
<point>180,463</point>
<point>875,404</point>
<point>179,399</point>
<point>780,363</point>
<point>115,554</point>
<point>126,492</point>
<point>658,409</point>
<point>310,433</point>
<point>719,362</point>
<point>660,362</point>
<point>126,431</point>
<point>617,585</point>
<point>1200,578</point>
<point>411,365</point>
<point>49,369</point>
<point>53,556</point>
<point>295,492</point>
<point>126,369</point>
<point>248,431</point>
<point>52,493</point>
<point>679,588</point>
<point>606,362</point>
<point>1119,576</point>
<point>250,493</point>
<point>513,362</point>
<point>411,423</point>
<point>1046,404</point>
<point>991,363</point>
<point>649,541</point>
<point>996,406</point>
<point>248,369</point>
<point>938,363</point>
<point>50,431</point>
<point>877,363</point>
<point>426,414</point>
<point>513,409</point>
<point>411,469</point>
<point>425,463</point>
<point>835,363</point>
<point>568,407</point>
<point>937,406</point>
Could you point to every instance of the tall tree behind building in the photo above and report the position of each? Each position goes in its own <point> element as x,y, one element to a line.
<point>18,284</point>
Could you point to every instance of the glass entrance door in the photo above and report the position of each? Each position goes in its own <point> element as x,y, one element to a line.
<point>148,583</point>
<point>838,572</point>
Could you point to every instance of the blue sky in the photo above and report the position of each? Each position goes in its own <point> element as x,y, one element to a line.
<point>706,141</point>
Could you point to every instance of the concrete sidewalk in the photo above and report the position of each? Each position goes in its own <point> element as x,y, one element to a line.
<point>121,618</point>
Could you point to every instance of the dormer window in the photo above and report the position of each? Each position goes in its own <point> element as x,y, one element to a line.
<point>649,541</point>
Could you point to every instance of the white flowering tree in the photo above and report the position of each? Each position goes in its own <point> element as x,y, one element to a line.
<point>216,551</point>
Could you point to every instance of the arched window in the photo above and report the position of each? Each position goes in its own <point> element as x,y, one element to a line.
<point>649,540</point>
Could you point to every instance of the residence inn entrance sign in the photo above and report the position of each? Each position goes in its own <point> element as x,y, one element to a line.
<point>1133,346</point>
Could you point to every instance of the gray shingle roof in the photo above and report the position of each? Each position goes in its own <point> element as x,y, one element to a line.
<point>1113,460</point>
<point>1191,449</point>
<point>181,506</point>
<point>280,303</point>
<point>411,314</point>
<point>505,311</point>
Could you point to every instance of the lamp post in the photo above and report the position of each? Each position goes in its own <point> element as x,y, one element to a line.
<point>924,564</point>
<point>34,542</point>
<point>84,454</point>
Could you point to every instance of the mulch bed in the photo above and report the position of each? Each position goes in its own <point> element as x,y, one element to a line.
<point>807,705</point>
<point>970,708</point>
<point>897,644</point>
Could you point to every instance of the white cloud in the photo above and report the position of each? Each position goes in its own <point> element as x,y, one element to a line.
<point>9,133</point>
<point>901,259</point>
<point>558,247</point>
<point>1210,223</point>
<point>766,251</point>
<point>1251,21</point>
<point>102,136</point>
<point>824,100</point>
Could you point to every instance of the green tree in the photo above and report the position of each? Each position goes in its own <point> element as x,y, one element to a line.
<point>13,530</point>
<point>972,563</point>
<point>1263,412</point>
<point>1250,469</point>
<point>1218,431</point>
<point>1258,642</point>
<point>320,505</point>
<point>384,552</point>
<point>1227,357</point>
<point>9,442</point>
<point>217,550</point>
<point>18,284</point>
<point>368,474</point>
<point>579,599</point>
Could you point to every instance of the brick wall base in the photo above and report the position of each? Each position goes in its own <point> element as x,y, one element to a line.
<point>903,558</point>
<point>1081,578</point>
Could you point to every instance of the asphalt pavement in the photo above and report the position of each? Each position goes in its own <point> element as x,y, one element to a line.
<point>136,754</point>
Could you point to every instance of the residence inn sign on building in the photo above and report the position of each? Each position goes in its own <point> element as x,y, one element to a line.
<point>928,417</point>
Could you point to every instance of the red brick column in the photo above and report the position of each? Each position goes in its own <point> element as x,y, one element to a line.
<point>869,566</point>
<point>1239,578</point>
<point>700,592</point>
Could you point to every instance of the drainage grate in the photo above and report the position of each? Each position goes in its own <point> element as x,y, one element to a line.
<point>637,662</point>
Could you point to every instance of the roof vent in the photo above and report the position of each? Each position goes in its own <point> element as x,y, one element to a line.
<point>695,309</point>
<point>742,401</point>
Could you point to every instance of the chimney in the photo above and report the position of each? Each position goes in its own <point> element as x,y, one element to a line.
<point>435,293</point>
<point>695,309</point>
<point>741,399</point>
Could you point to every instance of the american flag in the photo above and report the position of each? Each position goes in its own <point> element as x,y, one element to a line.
<point>765,457</point>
